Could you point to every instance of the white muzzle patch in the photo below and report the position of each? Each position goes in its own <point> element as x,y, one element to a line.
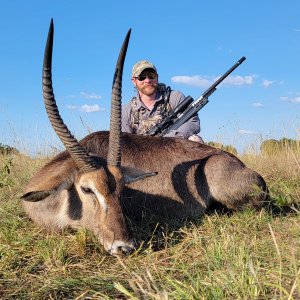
<point>120,247</point>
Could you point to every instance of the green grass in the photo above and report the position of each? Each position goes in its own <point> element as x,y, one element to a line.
<point>244,255</point>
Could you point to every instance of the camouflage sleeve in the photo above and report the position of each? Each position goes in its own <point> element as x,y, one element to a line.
<point>192,126</point>
<point>126,118</point>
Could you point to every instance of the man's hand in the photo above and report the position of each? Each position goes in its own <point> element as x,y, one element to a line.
<point>196,138</point>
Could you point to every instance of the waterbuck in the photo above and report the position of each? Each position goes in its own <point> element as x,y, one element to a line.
<point>95,183</point>
<point>79,188</point>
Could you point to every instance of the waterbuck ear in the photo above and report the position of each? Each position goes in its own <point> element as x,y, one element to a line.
<point>56,175</point>
<point>132,174</point>
<point>38,190</point>
<point>35,196</point>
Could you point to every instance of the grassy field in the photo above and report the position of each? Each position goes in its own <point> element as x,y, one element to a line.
<point>245,255</point>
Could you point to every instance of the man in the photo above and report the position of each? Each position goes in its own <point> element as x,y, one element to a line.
<point>152,103</point>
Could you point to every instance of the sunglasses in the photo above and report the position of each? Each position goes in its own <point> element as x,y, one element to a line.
<point>150,75</point>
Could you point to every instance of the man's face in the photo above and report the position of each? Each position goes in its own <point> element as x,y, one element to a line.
<point>146,82</point>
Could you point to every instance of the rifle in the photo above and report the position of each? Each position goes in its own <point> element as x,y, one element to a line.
<point>188,107</point>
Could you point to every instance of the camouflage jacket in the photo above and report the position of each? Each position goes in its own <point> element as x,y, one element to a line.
<point>137,118</point>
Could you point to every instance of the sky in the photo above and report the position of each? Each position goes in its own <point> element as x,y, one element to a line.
<point>190,42</point>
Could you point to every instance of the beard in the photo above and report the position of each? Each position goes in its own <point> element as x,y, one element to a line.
<point>148,89</point>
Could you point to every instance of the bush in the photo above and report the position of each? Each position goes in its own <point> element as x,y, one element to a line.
<point>227,148</point>
<point>5,150</point>
<point>273,147</point>
<point>5,178</point>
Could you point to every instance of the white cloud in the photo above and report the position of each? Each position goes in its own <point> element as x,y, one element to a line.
<point>239,80</point>
<point>205,81</point>
<point>267,83</point>
<point>291,99</point>
<point>72,107</point>
<point>195,80</point>
<point>284,98</point>
<point>257,104</point>
<point>86,107</point>
<point>295,100</point>
<point>90,108</point>
<point>246,132</point>
<point>90,96</point>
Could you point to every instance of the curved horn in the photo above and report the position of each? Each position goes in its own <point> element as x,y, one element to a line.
<point>78,153</point>
<point>114,148</point>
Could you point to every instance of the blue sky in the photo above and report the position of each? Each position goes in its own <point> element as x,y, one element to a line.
<point>191,43</point>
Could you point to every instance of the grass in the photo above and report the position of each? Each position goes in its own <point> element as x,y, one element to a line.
<point>244,255</point>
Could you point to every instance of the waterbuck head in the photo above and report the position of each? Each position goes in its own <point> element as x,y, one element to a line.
<point>94,183</point>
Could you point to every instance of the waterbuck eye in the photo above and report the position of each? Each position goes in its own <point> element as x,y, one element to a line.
<point>86,190</point>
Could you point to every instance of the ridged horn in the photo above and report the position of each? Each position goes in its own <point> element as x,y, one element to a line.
<point>114,148</point>
<point>78,153</point>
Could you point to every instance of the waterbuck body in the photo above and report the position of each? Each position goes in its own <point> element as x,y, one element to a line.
<point>95,181</point>
<point>190,177</point>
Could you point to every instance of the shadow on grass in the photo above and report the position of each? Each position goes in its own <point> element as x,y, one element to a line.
<point>159,232</point>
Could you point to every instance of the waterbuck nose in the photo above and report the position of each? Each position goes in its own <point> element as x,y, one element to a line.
<point>121,248</point>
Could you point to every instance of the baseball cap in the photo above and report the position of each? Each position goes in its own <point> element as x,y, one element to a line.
<point>140,66</point>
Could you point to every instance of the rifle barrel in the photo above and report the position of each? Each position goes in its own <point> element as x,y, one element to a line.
<point>212,87</point>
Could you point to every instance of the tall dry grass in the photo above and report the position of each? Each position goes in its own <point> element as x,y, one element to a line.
<point>245,255</point>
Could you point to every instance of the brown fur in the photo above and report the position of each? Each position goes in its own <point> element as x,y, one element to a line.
<point>191,176</point>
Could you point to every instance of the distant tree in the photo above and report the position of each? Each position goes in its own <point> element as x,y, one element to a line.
<point>269,147</point>
<point>215,144</point>
<point>230,149</point>
<point>273,147</point>
<point>289,143</point>
<point>227,148</point>
<point>5,149</point>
